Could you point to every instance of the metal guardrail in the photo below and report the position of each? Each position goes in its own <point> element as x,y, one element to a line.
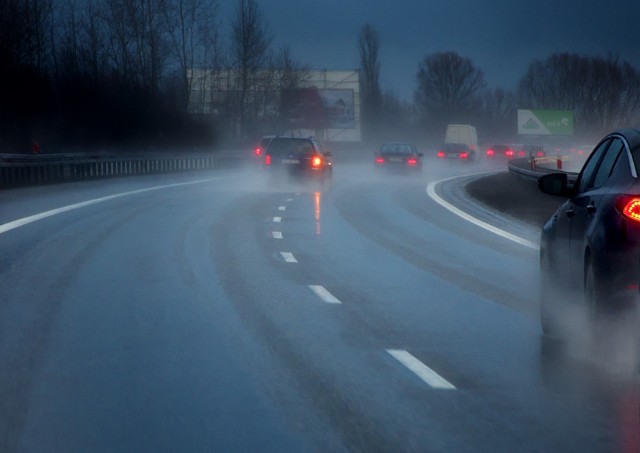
<point>20,170</point>
<point>529,168</point>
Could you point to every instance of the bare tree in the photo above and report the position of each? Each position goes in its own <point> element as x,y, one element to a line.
<point>138,41</point>
<point>250,41</point>
<point>601,92</point>
<point>630,96</point>
<point>192,29</point>
<point>448,85</point>
<point>369,47</point>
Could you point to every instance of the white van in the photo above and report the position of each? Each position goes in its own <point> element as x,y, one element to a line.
<point>465,134</point>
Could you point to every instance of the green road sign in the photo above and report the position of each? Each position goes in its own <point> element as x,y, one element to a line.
<point>545,122</point>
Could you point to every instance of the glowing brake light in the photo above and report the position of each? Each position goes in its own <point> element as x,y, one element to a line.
<point>267,159</point>
<point>508,153</point>
<point>490,152</point>
<point>464,155</point>
<point>540,154</point>
<point>379,160</point>
<point>521,153</point>
<point>629,206</point>
<point>441,154</point>
<point>258,151</point>
<point>316,161</point>
<point>412,162</point>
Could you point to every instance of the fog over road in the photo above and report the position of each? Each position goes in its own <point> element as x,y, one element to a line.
<point>223,312</point>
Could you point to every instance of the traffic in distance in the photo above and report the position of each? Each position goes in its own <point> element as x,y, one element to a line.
<point>398,156</point>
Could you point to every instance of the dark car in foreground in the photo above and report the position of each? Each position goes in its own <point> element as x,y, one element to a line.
<point>590,247</point>
<point>298,157</point>
<point>398,157</point>
<point>458,151</point>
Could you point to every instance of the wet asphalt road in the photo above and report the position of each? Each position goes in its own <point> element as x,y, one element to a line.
<point>223,312</point>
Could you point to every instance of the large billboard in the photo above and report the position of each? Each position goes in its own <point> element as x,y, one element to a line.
<point>312,108</point>
<point>545,122</point>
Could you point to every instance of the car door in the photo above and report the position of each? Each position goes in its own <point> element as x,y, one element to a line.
<point>560,248</point>
<point>586,205</point>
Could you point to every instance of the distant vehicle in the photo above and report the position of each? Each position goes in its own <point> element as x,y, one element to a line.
<point>512,151</point>
<point>497,151</point>
<point>458,151</point>
<point>259,150</point>
<point>591,245</point>
<point>298,157</point>
<point>532,151</point>
<point>464,134</point>
<point>398,156</point>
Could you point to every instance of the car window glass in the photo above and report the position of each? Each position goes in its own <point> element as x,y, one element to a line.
<point>282,146</point>
<point>588,171</point>
<point>622,168</point>
<point>607,163</point>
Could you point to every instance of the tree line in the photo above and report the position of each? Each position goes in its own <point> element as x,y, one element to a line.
<point>602,92</point>
<point>117,74</point>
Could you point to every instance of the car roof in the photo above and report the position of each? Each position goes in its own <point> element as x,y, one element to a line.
<point>632,135</point>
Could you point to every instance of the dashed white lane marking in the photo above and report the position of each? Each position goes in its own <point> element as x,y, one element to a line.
<point>277,219</point>
<point>289,200</point>
<point>325,295</point>
<point>276,234</point>
<point>288,257</point>
<point>282,208</point>
<point>43,215</point>
<point>433,379</point>
<point>431,191</point>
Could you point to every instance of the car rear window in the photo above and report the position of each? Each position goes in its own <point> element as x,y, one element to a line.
<point>282,146</point>
<point>396,148</point>
<point>455,147</point>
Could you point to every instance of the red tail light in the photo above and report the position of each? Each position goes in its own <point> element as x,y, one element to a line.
<point>379,160</point>
<point>316,161</point>
<point>440,153</point>
<point>508,153</point>
<point>412,162</point>
<point>464,155</point>
<point>490,152</point>
<point>267,159</point>
<point>258,151</point>
<point>629,206</point>
<point>521,153</point>
<point>540,154</point>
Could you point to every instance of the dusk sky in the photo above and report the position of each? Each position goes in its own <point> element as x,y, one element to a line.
<point>500,36</point>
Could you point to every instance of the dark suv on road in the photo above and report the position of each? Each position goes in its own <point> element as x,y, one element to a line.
<point>298,156</point>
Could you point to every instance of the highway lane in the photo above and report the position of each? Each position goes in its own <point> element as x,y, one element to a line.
<point>234,314</point>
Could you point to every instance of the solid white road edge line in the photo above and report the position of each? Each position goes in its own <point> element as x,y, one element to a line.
<point>276,234</point>
<point>288,257</point>
<point>431,191</point>
<point>430,377</point>
<point>277,219</point>
<point>43,215</point>
<point>323,294</point>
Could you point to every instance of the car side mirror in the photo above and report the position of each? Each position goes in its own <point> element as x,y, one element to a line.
<point>555,184</point>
